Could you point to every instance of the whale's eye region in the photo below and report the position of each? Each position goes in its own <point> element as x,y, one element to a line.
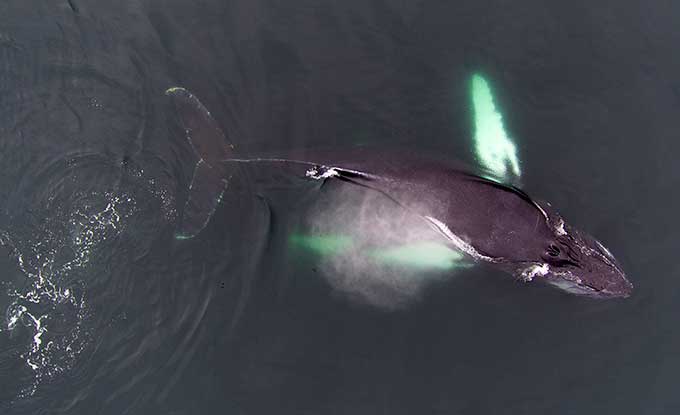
<point>561,256</point>
<point>553,251</point>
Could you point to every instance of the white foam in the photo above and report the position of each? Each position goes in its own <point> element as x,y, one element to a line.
<point>533,270</point>
<point>315,174</point>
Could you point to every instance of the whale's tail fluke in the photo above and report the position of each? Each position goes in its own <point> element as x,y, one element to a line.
<point>211,177</point>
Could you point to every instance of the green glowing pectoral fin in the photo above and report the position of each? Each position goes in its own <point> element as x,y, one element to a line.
<point>205,193</point>
<point>495,149</point>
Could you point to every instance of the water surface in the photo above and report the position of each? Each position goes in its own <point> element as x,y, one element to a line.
<point>105,312</point>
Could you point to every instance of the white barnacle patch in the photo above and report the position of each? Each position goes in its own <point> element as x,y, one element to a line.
<point>321,173</point>
<point>457,241</point>
<point>535,269</point>
<point>559,228</point>
<point>588,251</point>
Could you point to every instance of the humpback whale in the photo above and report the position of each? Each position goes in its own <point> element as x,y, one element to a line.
<point>485,219</point>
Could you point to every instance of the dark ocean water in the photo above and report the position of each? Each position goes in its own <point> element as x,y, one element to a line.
<point>106,312</point>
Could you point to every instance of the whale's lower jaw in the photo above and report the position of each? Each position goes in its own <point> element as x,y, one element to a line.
<point>574,288</point>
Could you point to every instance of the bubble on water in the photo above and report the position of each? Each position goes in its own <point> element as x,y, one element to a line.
<point>52,303</point>
<point>166,198</point>
<point>95,103</point>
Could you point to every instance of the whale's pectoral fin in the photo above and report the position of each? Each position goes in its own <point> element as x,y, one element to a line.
<point>210,177</point>
<point>205,193</point>
<point>495,150</point>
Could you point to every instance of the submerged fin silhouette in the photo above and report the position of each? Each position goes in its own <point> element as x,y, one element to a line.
<point>211,177</point>
<point>205,193</point>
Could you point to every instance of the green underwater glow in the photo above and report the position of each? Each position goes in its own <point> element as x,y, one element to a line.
<point>495,150</point>
<point>325,245</point>
<point>423,255</point>
<point>419,255</point>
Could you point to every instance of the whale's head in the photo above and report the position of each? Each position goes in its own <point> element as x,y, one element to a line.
<point>577,262</point>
